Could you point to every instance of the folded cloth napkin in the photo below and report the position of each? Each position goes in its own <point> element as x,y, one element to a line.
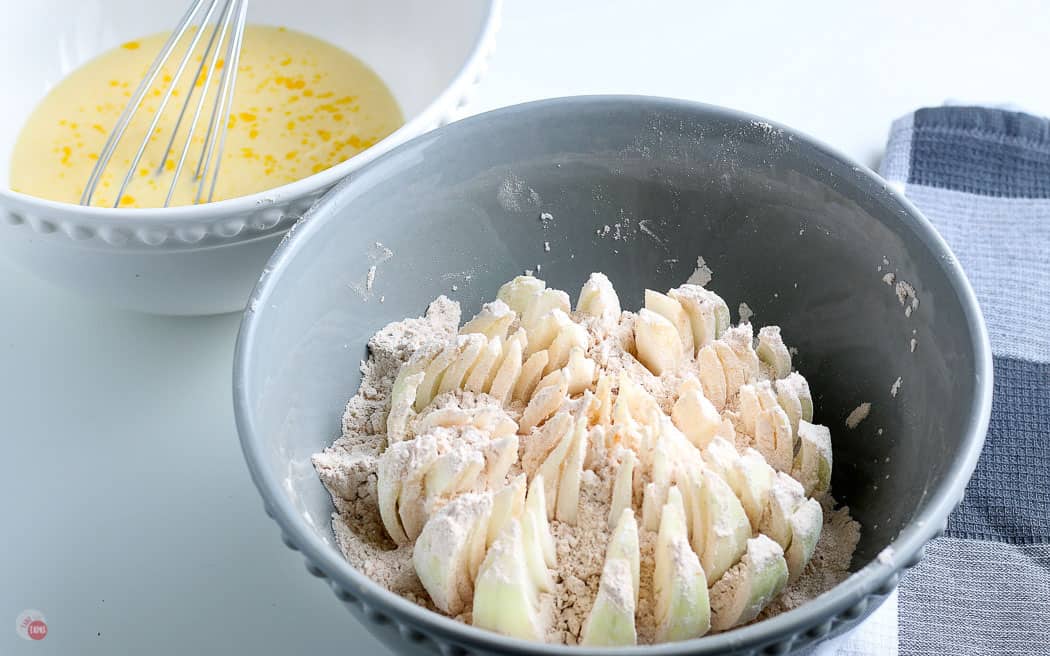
<point>982,176</point>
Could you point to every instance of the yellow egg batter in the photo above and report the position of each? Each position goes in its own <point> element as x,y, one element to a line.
<point>301,105</point>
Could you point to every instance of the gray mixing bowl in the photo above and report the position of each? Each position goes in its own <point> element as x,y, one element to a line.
<point>800,233</point>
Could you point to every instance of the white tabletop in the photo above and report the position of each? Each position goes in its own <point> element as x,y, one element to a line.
<point>130,519</point>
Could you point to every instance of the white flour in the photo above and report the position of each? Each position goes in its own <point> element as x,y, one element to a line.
<point>514,195</point>
<point>348,470</point>
<point>745,313</point>
<point>859,414</point>
<point>376,255</point>
<point>701,275</point>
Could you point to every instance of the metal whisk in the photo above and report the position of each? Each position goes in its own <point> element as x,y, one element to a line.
<point>224,22</point>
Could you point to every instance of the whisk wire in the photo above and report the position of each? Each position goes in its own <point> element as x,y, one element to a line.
<point>219,32</point>
<point>193,88</point>
<point>136,99</point>
<point>221,112</point>
<point>234,59</point>
<point>234,13</point>
<point>163,104</point>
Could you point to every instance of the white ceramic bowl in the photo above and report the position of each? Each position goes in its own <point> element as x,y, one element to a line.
<point>205,259</point>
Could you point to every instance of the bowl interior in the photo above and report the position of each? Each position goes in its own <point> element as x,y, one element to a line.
<point>416,47</point>
<point>638,189</point>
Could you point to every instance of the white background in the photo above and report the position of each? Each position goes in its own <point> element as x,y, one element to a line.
<point>129,519</point>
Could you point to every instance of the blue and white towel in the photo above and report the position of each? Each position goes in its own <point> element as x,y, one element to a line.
<point>982,176</point>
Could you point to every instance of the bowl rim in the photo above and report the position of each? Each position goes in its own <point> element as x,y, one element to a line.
<point>871,583</point>
<point>207,213</point>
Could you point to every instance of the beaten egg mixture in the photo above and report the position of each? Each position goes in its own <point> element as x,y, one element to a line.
<point>300,106</point>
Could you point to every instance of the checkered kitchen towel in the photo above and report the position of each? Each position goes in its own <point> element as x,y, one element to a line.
<point>982,176</point>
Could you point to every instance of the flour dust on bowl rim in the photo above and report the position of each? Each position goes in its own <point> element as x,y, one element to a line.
<point>799,232</point>
<point>204,259</point>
